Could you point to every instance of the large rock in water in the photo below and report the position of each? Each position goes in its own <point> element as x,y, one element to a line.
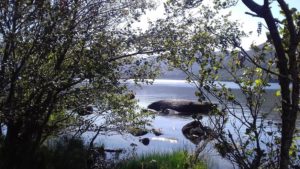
<point>181,107</point>
<point>196,132</point>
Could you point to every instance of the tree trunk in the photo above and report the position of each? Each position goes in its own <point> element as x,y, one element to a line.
<point>288,123</point>
<point>18,150</point>
<point>290,100</point>
<point>289,118</point>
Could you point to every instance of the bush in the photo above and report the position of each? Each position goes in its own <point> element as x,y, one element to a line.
<point>64,153</point>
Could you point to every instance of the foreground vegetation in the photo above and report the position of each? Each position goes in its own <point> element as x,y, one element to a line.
<point>175,160</point>
<point>72,153</point>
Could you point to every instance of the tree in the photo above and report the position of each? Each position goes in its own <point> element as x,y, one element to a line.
<point>287,54</point>
<point>56,58</point>
<point>210,40</point>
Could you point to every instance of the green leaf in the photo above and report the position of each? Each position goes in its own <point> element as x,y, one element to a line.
<point>52,117</point>
<point>258,70</point>
<point>278,93</point>
<point>258,82</point>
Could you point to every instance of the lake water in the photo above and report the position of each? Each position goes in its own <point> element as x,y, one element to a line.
<point>172,138</point>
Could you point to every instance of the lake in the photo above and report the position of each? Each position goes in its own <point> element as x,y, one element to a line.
<point>172,138</point>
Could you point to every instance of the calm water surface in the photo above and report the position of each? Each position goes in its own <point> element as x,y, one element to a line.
<point>172,138</point>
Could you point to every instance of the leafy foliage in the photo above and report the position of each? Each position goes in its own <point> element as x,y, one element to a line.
<point>202,35</point>
<point>60,58</point>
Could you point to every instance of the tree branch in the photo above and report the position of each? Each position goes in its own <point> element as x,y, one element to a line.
<point>255,15</point>
<point>136,53</point>
<point>252,14</point>
<point>289,18</point>
<point>259,66</point>
<point>253,6</point>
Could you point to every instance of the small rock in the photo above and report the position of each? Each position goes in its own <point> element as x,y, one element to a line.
<point>133,145</point>
<point>145,141</point>
<point>157,132</point>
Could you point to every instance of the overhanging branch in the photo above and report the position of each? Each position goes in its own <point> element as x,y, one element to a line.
<point>135,53</point>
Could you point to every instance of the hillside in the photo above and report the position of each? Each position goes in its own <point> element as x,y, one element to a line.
<point>223,74</point>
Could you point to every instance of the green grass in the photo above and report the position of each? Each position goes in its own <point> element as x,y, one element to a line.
<point>175,160</point>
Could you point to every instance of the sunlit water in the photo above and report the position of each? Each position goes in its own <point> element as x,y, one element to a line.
<point>172,138</point>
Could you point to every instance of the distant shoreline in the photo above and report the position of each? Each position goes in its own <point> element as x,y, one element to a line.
<point>184,83</point>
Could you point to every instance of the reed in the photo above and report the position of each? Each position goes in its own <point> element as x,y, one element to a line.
<point>175,160</point>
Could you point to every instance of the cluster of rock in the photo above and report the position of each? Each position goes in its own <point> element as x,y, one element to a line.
<point>194,131</point>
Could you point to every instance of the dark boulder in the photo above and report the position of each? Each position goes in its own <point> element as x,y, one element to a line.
<point>196,132</point>
<point>145,141</point>
<point>181,107</point>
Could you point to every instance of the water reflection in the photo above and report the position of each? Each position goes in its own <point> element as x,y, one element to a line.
<point>164,139</point>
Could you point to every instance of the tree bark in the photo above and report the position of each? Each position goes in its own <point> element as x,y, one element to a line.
<point>290,100</point>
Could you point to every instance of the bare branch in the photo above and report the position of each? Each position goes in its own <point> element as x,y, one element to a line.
<point>136,53</point>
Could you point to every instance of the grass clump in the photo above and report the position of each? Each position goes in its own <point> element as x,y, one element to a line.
<point>175,160</point>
